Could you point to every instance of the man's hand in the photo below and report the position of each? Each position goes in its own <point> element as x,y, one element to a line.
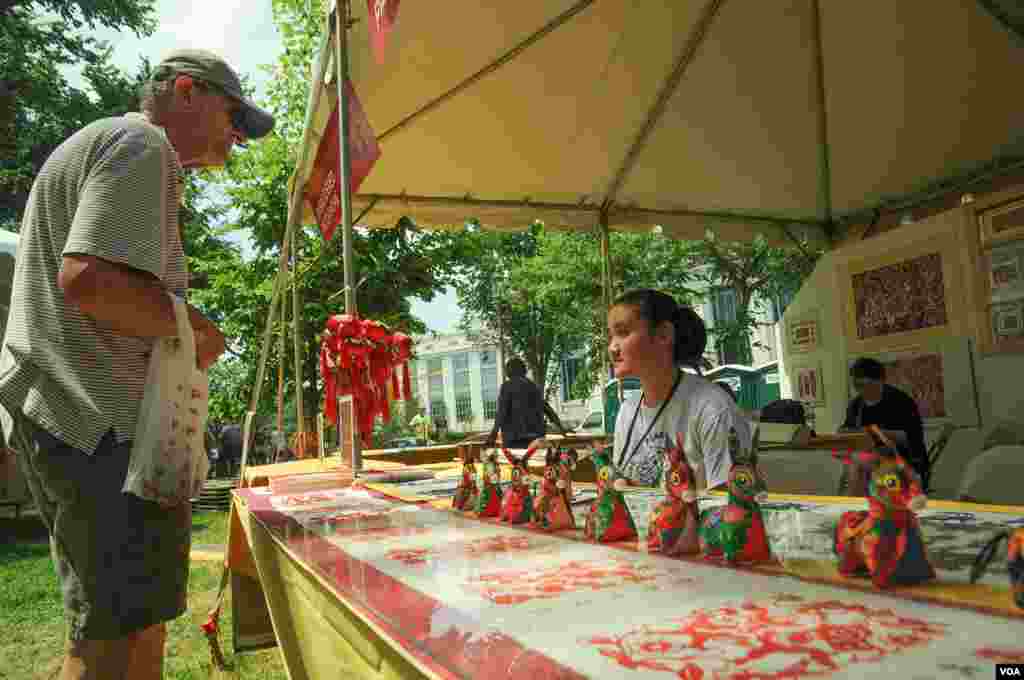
<point>210,342</point>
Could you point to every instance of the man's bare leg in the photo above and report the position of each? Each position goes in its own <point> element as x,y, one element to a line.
<point>140,656</point>
<point>96,659</point>
<point>147,655</point>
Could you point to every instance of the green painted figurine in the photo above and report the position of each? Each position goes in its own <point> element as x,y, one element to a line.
<point>488,504</point>
<point>736,530</point>
<point>609,518</point>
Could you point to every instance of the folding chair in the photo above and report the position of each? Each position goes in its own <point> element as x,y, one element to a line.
<point>937,447</point>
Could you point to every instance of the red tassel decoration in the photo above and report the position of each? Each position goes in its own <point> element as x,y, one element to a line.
<point>395,389</point>
<point>406,383</point>
<point>385,405</point>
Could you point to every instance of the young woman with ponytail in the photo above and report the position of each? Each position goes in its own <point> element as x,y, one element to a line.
<point>653,338</point>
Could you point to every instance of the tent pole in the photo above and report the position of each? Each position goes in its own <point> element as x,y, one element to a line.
<point>275,298</point>
<point>824,153</point>
<point>280,365</point>
<point>341,10</point>
<point>606,286</point>
<point>297,338</point>
<point>294,217</point>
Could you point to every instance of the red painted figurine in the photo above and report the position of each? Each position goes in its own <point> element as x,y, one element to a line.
<point>517,502</point>
<point>885,541</point>
<point>467,491</point>
<point>673,525</point>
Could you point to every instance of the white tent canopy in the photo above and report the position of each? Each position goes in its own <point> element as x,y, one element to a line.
<point>743,115</point>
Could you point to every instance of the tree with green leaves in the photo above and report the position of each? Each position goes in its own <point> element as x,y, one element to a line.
<point>539,292</point>
<point>756,272</point>
<point>391,265</point>
<point>38,108</point>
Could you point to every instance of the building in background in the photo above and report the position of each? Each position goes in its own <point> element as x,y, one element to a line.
<point>456,381</point>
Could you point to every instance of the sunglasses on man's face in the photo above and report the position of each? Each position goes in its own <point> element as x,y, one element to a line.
<point>235,112</point>
<point>860,383</point>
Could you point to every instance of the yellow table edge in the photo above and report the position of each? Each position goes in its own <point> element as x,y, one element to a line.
<point>352,606</point>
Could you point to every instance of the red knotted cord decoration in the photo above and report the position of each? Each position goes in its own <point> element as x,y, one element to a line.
<point>361,357</point>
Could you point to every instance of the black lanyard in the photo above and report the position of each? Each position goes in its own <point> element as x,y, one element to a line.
<point>629,433</point>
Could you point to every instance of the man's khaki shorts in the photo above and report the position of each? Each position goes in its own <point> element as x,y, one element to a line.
<point>122,562</point>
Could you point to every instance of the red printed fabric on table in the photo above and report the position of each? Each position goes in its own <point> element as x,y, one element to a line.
<point>470,597</point>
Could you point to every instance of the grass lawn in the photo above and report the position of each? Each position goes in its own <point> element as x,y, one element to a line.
<point>31,616</point>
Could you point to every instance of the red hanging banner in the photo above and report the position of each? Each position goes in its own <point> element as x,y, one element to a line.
<point>321,189</point>
<point>383,14</point>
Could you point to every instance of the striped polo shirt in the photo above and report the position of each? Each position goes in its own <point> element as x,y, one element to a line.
<point>110,191</point>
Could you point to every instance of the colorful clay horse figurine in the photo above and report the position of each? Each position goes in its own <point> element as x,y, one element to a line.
<point>673,524</point>
<point>551,508</point>
<point>884,541</point>
<point>736,530</point>
<point>1014,561</point>
<point>467,491</point>
<point>517,503</point>
<point>488,504</point>
<point>609,518</point>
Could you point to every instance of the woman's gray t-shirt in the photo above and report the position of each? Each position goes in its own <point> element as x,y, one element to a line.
<point>702,412</point>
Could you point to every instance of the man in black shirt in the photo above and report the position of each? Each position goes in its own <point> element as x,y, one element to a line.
<point>231,447</point>
<point>890,409</point>
<point>521,410</point>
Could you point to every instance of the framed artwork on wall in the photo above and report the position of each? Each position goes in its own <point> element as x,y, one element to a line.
<point>803,336</point>
<point>808,384</point>
<point>995,237</point>
<point>900,297</point>
<point>903,298</point>
<point>1002,223</point>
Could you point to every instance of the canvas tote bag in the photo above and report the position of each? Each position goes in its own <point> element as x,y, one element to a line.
<point>168,458</point>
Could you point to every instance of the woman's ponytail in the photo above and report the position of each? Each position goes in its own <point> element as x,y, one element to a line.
<point>691,337</point>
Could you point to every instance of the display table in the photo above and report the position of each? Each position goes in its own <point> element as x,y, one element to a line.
<point>360,582</point>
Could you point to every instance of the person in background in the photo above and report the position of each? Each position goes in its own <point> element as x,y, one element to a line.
<point>653,338</point>
<point>231,448</point>
<point>889,408</point>
<point>100,250</point>
<point>521,410</point>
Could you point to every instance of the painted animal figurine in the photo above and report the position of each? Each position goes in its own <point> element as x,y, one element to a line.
<point>736,530</point>
<point>567,459</point>
<point>551,508</point>
<point>673,524</point>
<point>609,519</point>
<point>884,542</point>
<point>1014,561</point>
<point>488,503</point>
<point>517,502</point>
<point>467,492</point>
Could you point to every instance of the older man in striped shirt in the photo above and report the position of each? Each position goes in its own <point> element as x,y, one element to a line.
<point>100,247</point>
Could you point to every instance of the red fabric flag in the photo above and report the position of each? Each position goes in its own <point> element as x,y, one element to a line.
<point>383,14</point>
<point>322,187</point>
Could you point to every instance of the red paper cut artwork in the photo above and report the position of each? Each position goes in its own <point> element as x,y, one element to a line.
<point>515,586</point>
<point>1000,655</point>
<point>492,545</point>
<point>906,296</point>
<point>779,639</point>
<point>475,549</point>
<point>364,535</point>
<point>304,500</point>
<point>922,378</point>
<point>412,557</point>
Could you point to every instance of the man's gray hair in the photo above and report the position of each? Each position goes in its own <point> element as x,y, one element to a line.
<point>156,92</point>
